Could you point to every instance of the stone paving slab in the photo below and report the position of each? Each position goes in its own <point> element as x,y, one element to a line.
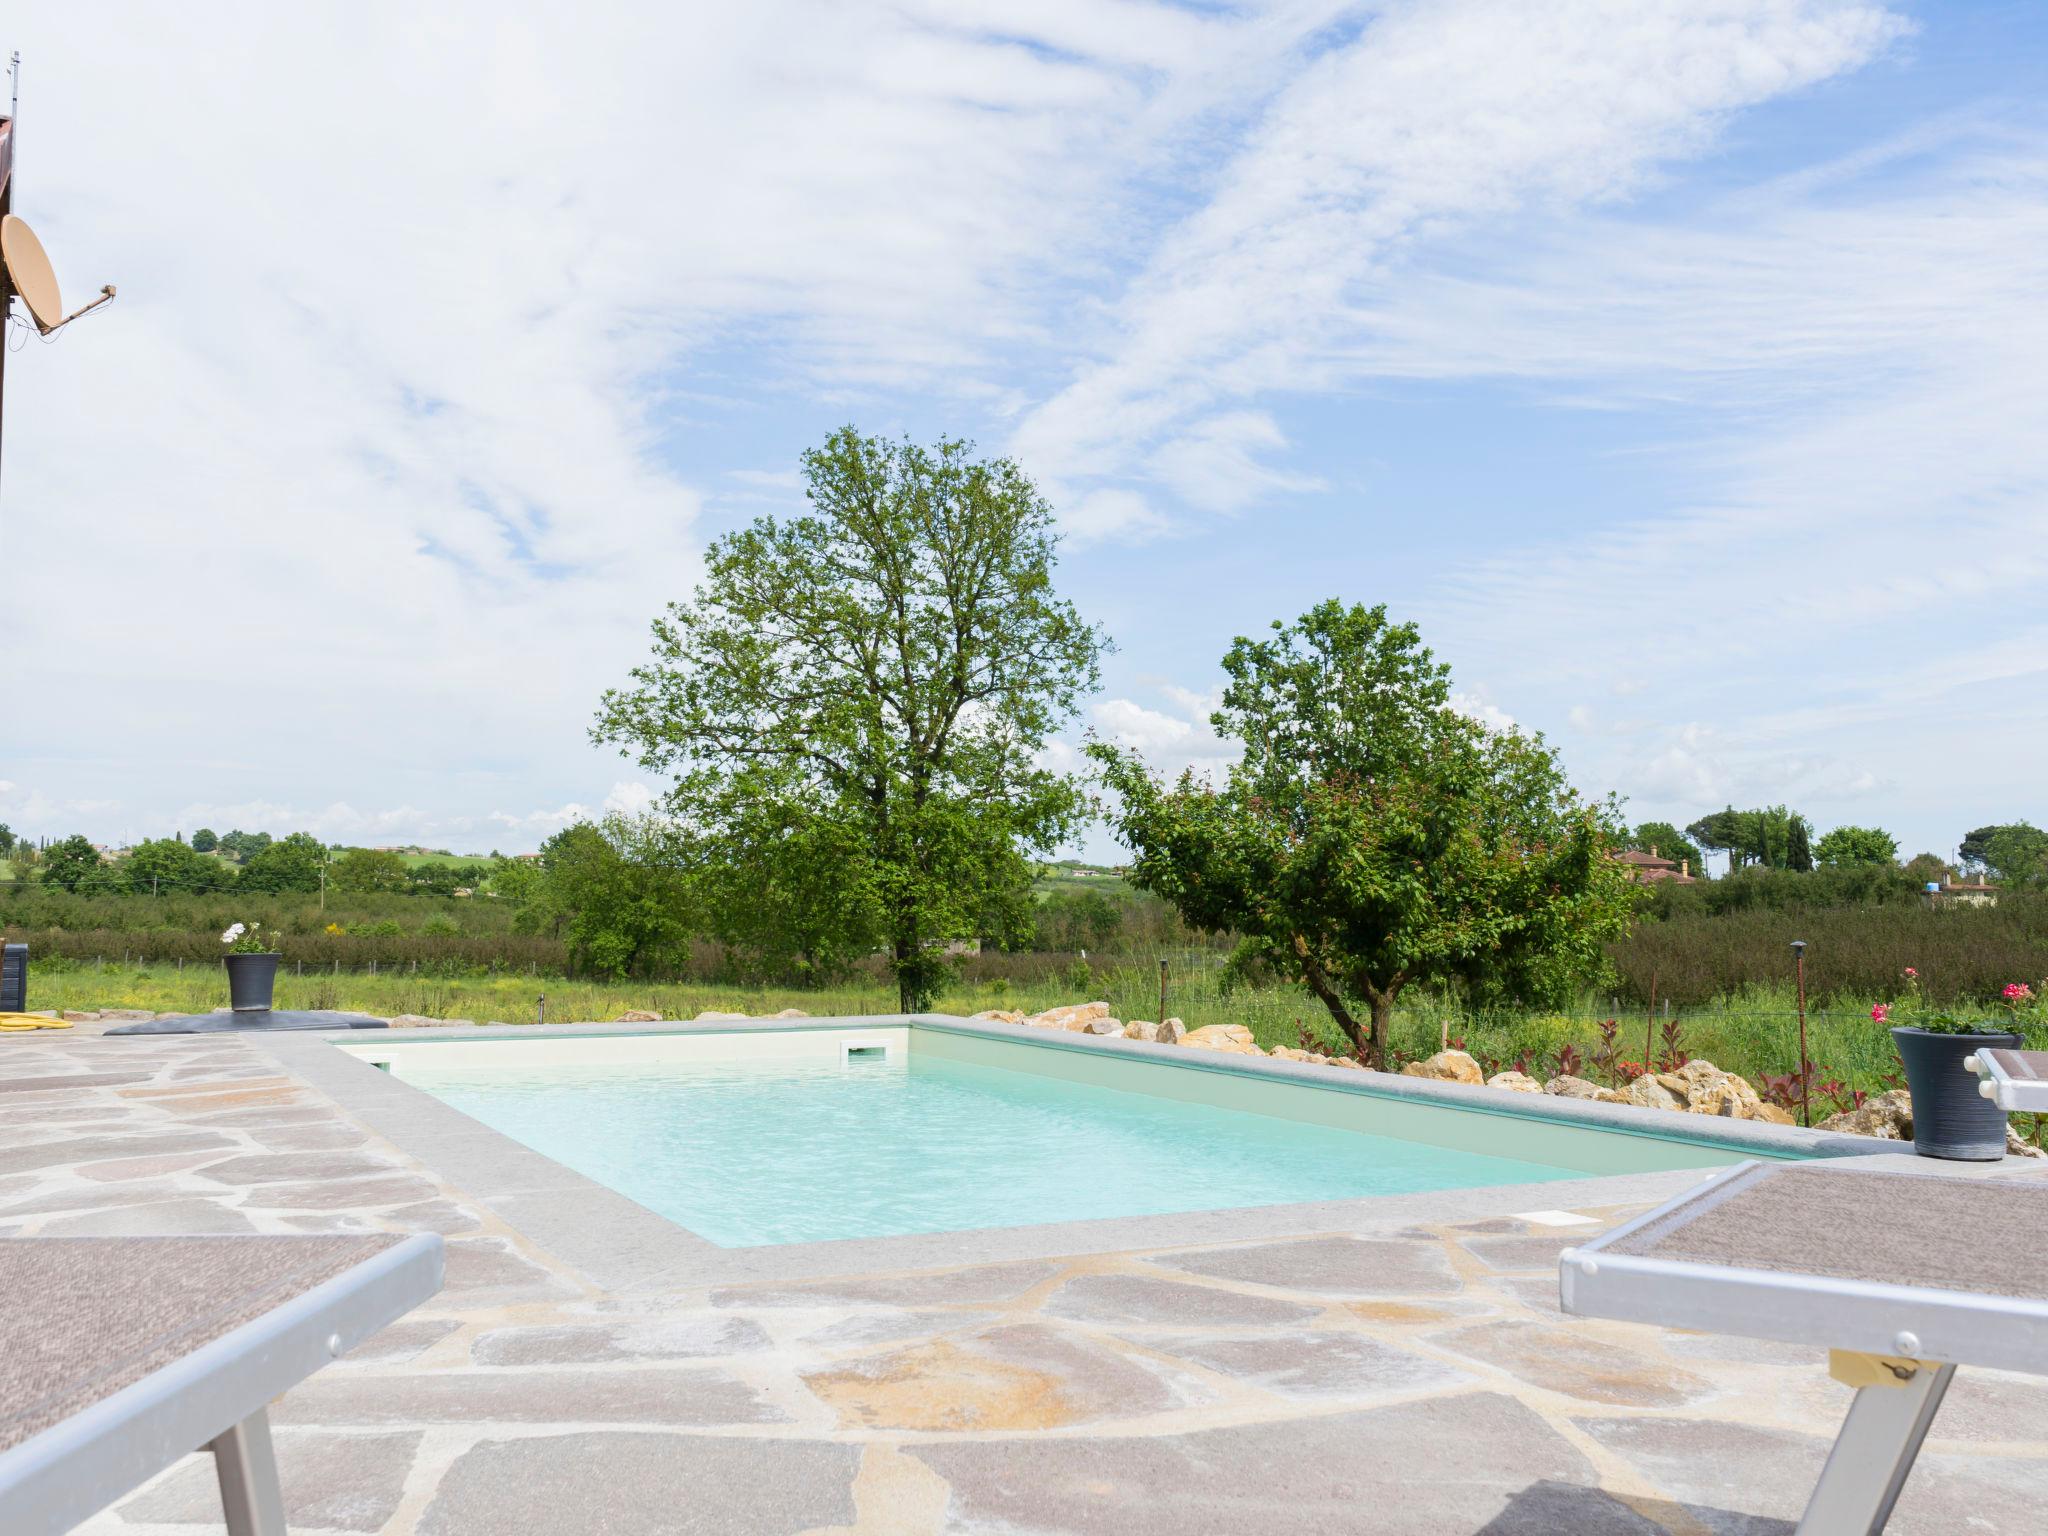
<point>1417,1378</point>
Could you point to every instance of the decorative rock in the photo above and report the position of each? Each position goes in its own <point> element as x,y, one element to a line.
<point>712,1014</point>
<point>1888,1116</point>
<point>2016,1147</point>
<point>1154,1034</point>
<point>791,1013</point>
<point>412,1021</point>
<point>1447,1067</point>
<point>1074,1016</point>
<point>1234,1038</point>
<point>1566,1086</point>
<point>1347,1061</point>
<point>1710,1091</point>
<point>71,1016</point>
<point>126,1015</point>
<point>999,1015</point>
<point>1651,1093</point>
<point>1514,1082</point>
<point>1102,1027</point>
<point>638,1016</point>
<point>1773,1114</point>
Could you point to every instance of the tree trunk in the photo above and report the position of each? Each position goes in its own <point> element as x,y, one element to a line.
<point>1382,1017</point>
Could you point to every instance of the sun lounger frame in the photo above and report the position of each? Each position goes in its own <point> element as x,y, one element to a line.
<point>214,1398</point>
<point>1915,1335</point>
<point>2016,1080</point>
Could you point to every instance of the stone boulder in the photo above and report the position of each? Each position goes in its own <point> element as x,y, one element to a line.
<point>77,1016</point>
<point>999,1016</point>
<point>1514,1082</point>
<point>1565,1086</point>
<point>1447,1067</point>
<point>1710,1091</point>
<point>713,1015</point>
<point>1351,1062</point>
<point>638,1016</point>
<point>413,1021</point>
<point>1234,1038</point>
<point>790,1013</point>
<point>1653,1093</point>
<point>1074,1016</point>
<point>1167,1033</point>
<point>126,1015</point>
<point>1887,1116</point>
<point>1103,1026</point>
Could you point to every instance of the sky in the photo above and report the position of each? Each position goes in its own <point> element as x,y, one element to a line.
<point>1677,367</point>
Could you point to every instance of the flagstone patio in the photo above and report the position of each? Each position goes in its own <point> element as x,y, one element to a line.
<point>1418,1380</point>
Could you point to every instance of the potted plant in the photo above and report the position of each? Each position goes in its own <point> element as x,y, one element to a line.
<point>252,968</point>
<point>1950,1119</point>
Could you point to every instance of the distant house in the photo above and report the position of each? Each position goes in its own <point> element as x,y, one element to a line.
<point>1966,893</point>
<point>1648,868</point>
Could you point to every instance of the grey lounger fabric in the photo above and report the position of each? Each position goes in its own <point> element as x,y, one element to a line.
<point>119,1355</point>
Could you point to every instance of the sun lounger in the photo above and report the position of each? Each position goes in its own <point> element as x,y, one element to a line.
<point>2018,1080</point>
<point>1903,1277</point>
<point>119,1355</point>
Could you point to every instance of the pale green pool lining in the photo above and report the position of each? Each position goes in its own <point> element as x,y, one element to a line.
<point>621,1245</point>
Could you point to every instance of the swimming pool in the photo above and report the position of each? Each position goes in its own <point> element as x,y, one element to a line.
<point>815,1134</point>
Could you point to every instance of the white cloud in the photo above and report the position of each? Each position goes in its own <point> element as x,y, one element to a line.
<point>1432,118</point>
<point>417,307</point>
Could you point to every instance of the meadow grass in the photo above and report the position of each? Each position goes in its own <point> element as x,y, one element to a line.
<point>1751,1033</point>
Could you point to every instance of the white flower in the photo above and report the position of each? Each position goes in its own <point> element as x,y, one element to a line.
<point>232,934</point>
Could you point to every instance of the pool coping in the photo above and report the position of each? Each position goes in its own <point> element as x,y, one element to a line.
<point>620,1245</point>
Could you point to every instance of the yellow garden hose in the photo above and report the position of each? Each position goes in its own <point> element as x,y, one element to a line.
<point>27,1021</point>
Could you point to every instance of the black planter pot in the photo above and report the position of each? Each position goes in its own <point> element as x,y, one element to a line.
<point>1950,1118</point>
<point>252,981</point>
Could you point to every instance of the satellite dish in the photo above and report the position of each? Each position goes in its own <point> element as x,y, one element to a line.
<point>29,270</point>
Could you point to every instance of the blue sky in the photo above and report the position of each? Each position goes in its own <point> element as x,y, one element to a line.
<point>1676,366</point>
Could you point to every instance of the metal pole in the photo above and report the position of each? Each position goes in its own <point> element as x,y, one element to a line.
<point>1650,1028</point>
<point>1805,1072</point>
<point>1162,989</point>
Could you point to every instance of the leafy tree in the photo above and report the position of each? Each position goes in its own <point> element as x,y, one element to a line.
<point>1372,838</point>
<point>205,840</point>
<point>1076,920</point>
<point>2018,854</point>
<point>515,880</point>
<point>291,864</point>
<point>367,870</point>
<point>6,840</point>
<point>1925,867</point>
<point>619,909</point>
<point>244,846</point>
<point>853,705</point>
<point>1798,844</point>
<point>66,864</point>
<point>1857,845</point>
<point>164,864</point>
<point>1667,842</point>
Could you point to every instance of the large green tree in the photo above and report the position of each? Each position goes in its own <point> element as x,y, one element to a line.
<point>205,840</point>
<point>1857,845</point>
<point>1372,838</point>
<point>291,863</point>
<point>370,870</point>
<point>601,887</point>
<point>853,705</point>
<point>163,864</point>
<point>68,862</point>
<point>2017,854</point>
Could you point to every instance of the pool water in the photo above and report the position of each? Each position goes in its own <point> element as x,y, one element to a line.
<point>750,1153</point>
